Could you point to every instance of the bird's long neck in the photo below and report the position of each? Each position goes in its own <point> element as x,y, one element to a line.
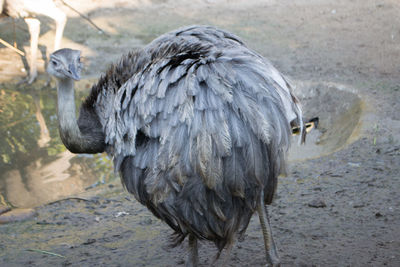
<point>70,133</point>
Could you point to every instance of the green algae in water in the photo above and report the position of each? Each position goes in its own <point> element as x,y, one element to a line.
<point>35,167</point>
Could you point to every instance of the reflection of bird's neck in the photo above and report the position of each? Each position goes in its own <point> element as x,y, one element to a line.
<point>44,138</point>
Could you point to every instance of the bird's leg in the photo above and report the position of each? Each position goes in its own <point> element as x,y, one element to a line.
<point>270,248</point>
<point>193,257</point>
<point>44,138</point>
<point>34,30</point>
<point>15,34</point>
<point>241,234</point>
<point>227,254</point>
<point>52,11</point>
<point>61,20</point>
<point>273,246</point>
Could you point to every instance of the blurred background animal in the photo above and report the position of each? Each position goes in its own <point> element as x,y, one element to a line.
<point>28,10</point>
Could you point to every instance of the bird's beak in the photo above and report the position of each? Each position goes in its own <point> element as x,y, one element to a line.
<point>308,126</point>
<point>74,72</point>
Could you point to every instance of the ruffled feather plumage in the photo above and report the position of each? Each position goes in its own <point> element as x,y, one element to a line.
<point>198,125</point>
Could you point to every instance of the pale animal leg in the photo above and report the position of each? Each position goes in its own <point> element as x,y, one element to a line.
<point>270,248</point>
<point>60,19</point>
<point>34,30</point>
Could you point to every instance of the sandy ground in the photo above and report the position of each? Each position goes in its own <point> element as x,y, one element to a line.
<point>341,209</point>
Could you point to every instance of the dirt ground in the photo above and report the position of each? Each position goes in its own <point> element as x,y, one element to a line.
<point>341,209</point>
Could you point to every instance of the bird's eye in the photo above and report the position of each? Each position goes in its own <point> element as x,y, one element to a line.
<point>54,63</point>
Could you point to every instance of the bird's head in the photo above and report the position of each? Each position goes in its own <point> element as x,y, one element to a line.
<point>65,64</point>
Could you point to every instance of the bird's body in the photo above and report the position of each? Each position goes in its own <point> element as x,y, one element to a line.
<point>198,126</point>
<point>28,10</point>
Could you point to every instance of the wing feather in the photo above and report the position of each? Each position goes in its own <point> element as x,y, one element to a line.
<point>206,123</point>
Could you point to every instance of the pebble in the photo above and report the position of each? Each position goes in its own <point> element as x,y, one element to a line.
<point>89,241</point>
<point>317,203</point>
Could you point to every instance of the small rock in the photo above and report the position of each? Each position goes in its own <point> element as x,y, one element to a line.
<point>354,164</point>
<point>377,168</point>
<point>17,215</point>
<point>66,263</point>
<point>121,213</point>
<point>317,203</point>
<point>44,222</point>
<point>146,221</point>
<point>180,262</point>
<point>98,213</point>
<point>89,241</point>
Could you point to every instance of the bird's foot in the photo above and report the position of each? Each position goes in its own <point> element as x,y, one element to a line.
<point>273,261</point>
<point>32,78</point>
<point>28,79</point>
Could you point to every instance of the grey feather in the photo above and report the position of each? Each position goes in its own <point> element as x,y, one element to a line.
<point>198,129</point>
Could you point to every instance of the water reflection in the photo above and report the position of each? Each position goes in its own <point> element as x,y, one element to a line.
<point>35,167</point>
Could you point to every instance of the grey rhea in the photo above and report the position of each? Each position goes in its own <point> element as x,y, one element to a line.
<point>198,125</point>
<point>28,9</point>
